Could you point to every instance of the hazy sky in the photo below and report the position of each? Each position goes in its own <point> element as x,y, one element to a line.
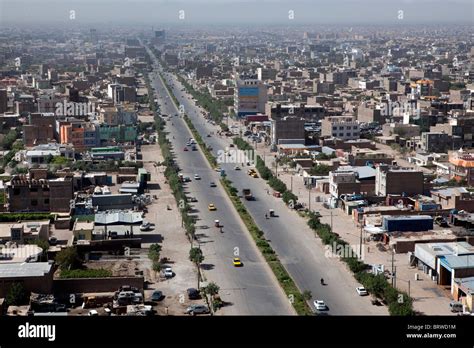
<point>238,11</point>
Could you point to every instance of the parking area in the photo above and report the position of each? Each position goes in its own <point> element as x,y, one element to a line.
<point>164,213</point>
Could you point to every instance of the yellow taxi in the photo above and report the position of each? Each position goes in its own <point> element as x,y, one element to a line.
<point>236,261</point>
<point>211,207</point>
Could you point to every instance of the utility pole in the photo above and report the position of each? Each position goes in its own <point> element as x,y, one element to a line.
<point>393,255</point>
<point>309,197</point>
<point>395,277</point>
<point>360,242</point>
<point>331,223</point>
<point>408,287</point>
<point>291,183</point>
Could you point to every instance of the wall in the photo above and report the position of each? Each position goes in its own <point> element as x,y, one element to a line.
<point>65,286</point>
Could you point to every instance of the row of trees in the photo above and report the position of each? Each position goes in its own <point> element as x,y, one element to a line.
<point>399,303</point>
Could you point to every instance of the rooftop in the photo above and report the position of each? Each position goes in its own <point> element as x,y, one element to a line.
<point>24,269</point>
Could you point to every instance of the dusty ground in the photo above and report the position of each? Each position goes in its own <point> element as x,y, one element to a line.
<point>175,245</point>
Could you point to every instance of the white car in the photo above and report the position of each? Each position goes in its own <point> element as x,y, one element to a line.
<point>320,305</point>
<point>93,313</point>
<point>361,291</point>
<point>197,177</point>
<point>145,226</point>
<point>168,272</point>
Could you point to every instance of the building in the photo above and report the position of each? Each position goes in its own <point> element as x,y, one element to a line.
<point>308,112</point>
<point>34,276</point>
<point>349,180</point>
<point>396,180</point>
<point>40,154</point>
<point>25,194</point>
<point>463,163</point>
<point>342,127</point>
<point>288,129</point>
<point>250,97</point>
<point>39,129</point>
<point>3,101</point>
<point>81,134</point>
<point>24,232</point>
<point>264,74</point>
<point>435,142</point>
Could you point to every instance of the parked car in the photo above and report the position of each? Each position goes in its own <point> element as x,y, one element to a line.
<point>197,309</point>
<point>193,294</point>
<point>320,305</point>
<point>157,295</point>
<point>197,177</point>
<point>212,184</point>
<point>455,306</point>
<point>361,291</point>
<point>168,272</point>
<point>93,313</point>
<point>145,226</point>
<point>185,149</point>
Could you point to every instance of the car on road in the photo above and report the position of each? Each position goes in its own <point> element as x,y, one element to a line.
<point>237,263</point>
<point>197,177</point>
<point>168,272</point>
<point>236,168</point>
<point>211,207</point>
<point>320,305</point>
<point>455,306</point>
<point>194,148</point>
<point>361,291</point>
<point>185,149</point>
<point>197,309</point>
<point>157,295</point>
<point>145,226</point>
<point>212,184</point>
<point>193,199</point>
<point>193,294</point>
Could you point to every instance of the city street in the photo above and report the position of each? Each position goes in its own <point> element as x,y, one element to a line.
<point>251,289</point>
<point>298,248</point>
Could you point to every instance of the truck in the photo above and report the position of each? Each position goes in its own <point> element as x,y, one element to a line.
<point>247,194</point>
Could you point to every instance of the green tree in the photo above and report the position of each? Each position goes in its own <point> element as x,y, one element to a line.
<point>68,258</point>
<point>16,295</point>
<point>196,256</point>
<point>307,295</point>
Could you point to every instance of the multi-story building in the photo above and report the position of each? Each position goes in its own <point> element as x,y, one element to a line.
<point>307,112</point>
<point>250,97</point>
<point>396,180</point>
<point>110,135</point>
<point>463,163</point>
<point>39,194</point>
<point>39,129</point>
<point>436,142</point>
<point>81,134</point>
<point>288,129</point>
<point>342,127</point>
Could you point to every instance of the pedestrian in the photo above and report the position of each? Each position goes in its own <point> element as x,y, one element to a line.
<point>368,249</point>
<point>166,310</point>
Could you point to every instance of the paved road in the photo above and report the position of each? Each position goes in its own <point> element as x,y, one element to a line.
<point>299,250</point>
<point>252,289</point>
